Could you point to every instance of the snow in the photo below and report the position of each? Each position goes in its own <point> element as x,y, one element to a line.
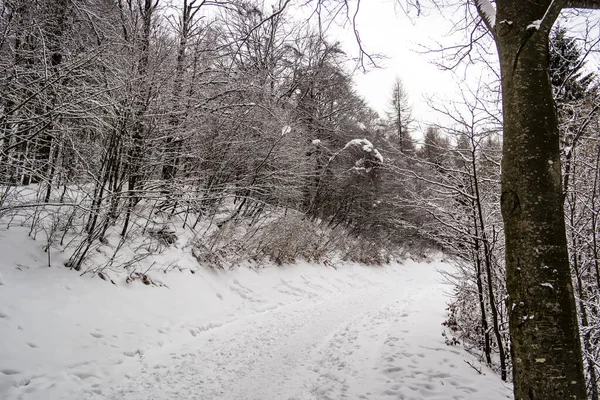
<point>295,332</point>
<point>358,142</point>
<point>366,146</point>
<point>488,11</point>
<point>538,22</point>
<point>378,155</point>
<point>548,285</point>
<point>285,130</point>
<point>535,24</point>
<point>316,142</point>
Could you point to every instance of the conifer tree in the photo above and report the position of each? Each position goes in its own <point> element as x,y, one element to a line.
<point>400,116</point>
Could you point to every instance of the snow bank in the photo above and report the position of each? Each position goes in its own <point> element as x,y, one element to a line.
<point>301,331</point>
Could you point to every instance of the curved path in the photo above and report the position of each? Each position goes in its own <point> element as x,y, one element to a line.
<point>380,342</point>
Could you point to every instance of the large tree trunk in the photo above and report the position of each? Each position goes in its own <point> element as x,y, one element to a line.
<point>546,347</point>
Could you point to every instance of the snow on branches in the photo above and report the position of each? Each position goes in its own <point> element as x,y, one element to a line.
<point>366,146</point>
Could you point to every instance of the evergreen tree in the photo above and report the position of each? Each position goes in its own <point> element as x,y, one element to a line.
<point>566,64</point>
<point>572,90</point>
<point>400,116</point>
<point>435,147</point>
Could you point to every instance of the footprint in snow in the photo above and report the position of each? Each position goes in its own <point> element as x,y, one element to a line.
<point>393,369</point>
<point>32,345</point>
<point>133,353</point>
<point>84,375</point>
<point>22,382</point>
<point>10,371</point>
<point>96,335</point>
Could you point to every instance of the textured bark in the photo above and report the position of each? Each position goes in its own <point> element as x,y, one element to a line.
<point>546,347</point>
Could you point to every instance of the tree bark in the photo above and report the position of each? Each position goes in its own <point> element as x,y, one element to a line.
<point>546,348</point>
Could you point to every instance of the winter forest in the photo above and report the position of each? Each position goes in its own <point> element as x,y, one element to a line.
<point>231,131</point>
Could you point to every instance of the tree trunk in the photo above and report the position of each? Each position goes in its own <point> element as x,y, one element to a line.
<point>546,349</point>
<point>480,295</point>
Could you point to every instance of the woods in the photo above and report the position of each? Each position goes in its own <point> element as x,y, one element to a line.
<point>121,118</point>
<point>131,124</point>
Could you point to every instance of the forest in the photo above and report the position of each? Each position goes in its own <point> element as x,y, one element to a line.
<point>125,124</point>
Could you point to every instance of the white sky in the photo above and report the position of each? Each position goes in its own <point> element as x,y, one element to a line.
<point>388,31</point>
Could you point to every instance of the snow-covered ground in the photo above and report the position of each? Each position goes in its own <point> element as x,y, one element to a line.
<point>295,332</point>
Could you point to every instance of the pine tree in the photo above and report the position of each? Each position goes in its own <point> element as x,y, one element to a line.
<point>400,116</point>
<point>566,67</point>
<point>572,89</point>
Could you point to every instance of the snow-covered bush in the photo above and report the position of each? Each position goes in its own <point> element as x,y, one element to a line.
<point>280,240</point>
<point>366,252</point>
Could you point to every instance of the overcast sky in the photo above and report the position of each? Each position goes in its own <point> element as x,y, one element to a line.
<point>388,31</point>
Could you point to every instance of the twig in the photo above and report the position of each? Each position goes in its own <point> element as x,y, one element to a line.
<point>474,367</point>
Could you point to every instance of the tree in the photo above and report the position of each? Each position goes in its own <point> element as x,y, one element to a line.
<point>435,147</point>
<point>546,351</point>
<point>577,105</point>
<point>400,116</point>
<point>113,73</point>
<point>569,82</point>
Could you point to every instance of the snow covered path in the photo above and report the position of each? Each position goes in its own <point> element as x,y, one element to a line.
<point>381,342</point>
<point>302,332</point>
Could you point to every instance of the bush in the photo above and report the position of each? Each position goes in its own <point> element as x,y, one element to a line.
<point>283,240</point>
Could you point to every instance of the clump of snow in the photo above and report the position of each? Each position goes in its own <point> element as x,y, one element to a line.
<point>316,142</point>
<point>285,130</point>
<point>567,150</point>
<point>366,146</point>
<point>488,11</point>
<point>377,155</point>
<point>548,285</point>
<point>535,25</point>
<point>357,142</point>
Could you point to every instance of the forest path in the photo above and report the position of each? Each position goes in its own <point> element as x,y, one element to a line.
<point>295,332</point>
<point>380,342</point>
